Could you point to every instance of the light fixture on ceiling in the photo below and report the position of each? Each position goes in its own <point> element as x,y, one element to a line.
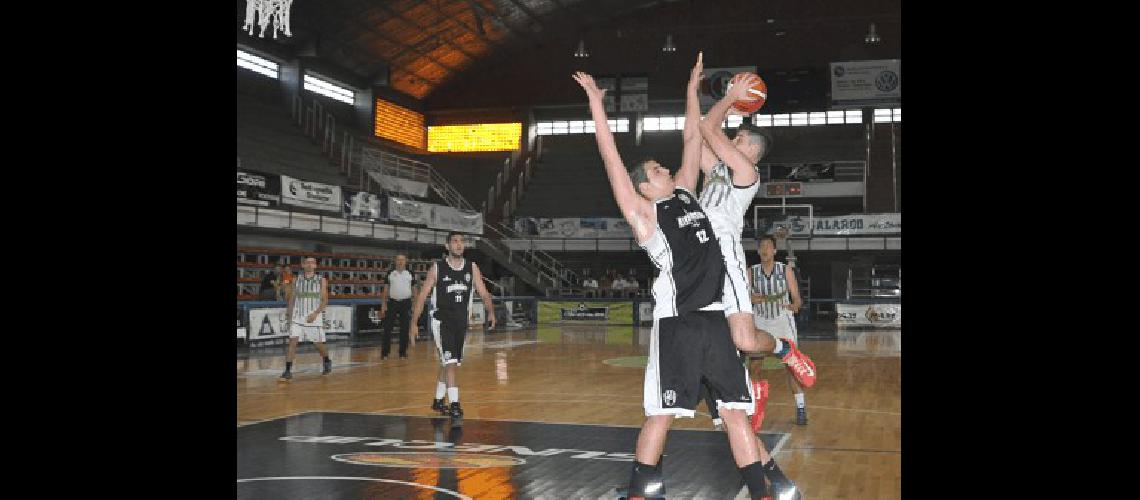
<point>669,48</point>
<point>872,37</point>
<point>581,52</point>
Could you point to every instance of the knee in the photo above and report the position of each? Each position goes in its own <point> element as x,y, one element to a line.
<point>659,421</point>
<point>764,341</point>
<point>732,416</point>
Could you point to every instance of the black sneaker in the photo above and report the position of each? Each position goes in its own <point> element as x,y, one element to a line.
<point>286,376</point>
<point>437,405</point>
<point>327,367</point>
<point>456,411</point>
<point>801,416</point>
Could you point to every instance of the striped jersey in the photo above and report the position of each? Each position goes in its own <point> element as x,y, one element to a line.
<point>687,254</point>
<point>774,288</point>
<point>307,298</point>
<point>725,202</point>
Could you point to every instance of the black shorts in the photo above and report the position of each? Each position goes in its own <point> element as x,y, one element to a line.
<point>684,350</point>
<point>449,334</point>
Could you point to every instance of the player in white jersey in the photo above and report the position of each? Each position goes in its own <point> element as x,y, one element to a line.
<point>775,301</point>
<point>306,313</point>
<point>731,184</point>
<point>690,342</point>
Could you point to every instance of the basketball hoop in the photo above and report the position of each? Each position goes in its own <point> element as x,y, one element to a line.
<point>265,12</point>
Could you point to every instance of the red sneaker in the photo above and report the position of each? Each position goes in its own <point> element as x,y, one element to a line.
<point>799,364</point>
<point>760,388</point>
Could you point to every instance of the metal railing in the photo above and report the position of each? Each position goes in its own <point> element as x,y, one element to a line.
<point>286,218</point>
<point>357,159</point>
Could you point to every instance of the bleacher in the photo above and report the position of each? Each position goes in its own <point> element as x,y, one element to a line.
<point>351,276</point>
<point>267,140</point>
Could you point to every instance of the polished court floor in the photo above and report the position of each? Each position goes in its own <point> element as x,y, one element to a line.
<point>528,394</point>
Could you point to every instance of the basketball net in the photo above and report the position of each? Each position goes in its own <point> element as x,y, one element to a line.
<point>265,12</point>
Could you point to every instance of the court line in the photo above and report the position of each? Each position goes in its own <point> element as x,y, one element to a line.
<point>853,450</point>
<point>469,391</point>
<point>743,493</point>
<point>455,494</point>
<point>710,429</point>
<point>294,414</point>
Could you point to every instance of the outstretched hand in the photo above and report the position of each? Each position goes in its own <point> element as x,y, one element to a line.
<point>696,75</point>
<point>587,83</point>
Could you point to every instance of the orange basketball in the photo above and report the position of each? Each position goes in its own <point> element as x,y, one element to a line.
<point>758,90</point>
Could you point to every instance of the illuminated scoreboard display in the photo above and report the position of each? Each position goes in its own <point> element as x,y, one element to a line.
<point>400,124</point>
<point>784,189</point>
<point>474,137</point>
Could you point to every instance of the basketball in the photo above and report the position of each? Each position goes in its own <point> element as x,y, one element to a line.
<point>759,90</point>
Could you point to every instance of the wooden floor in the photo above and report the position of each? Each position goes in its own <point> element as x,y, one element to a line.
<point>851,448</point>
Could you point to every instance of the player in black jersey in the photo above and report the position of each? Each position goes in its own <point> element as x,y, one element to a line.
<point>449,282</point>
<point>690,341</point>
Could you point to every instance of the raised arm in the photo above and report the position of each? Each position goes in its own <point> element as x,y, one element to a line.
<point>743,171</point>
<point>637,210</point>
<point>691,154</point>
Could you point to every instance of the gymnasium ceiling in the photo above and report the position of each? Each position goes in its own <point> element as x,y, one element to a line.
<point>470,53</point>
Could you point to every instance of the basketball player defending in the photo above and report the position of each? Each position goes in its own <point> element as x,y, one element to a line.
<point>306,313</point>
<point>690,338</point>
<point>449,282</point>
<point>775,299</point>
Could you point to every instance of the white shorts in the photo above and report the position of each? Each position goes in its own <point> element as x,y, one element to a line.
<point>736,296</point>
<point>780,327</point>
<point>307,333</point>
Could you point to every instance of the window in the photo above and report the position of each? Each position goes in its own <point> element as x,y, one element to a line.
<point>882,116</point>
<point>781,120</point>
<point>329,89</point>
<point>815,118</point>
<point>854,116</point>
<point>735,121</point>
<point>662,123</point>
<point>762,120</point>
<point>564,127</point>
<point>799,119</point>
<point>257,64</point>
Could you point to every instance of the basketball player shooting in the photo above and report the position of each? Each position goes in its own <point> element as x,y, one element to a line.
<point>690,338</point>
<point>731,182</point>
